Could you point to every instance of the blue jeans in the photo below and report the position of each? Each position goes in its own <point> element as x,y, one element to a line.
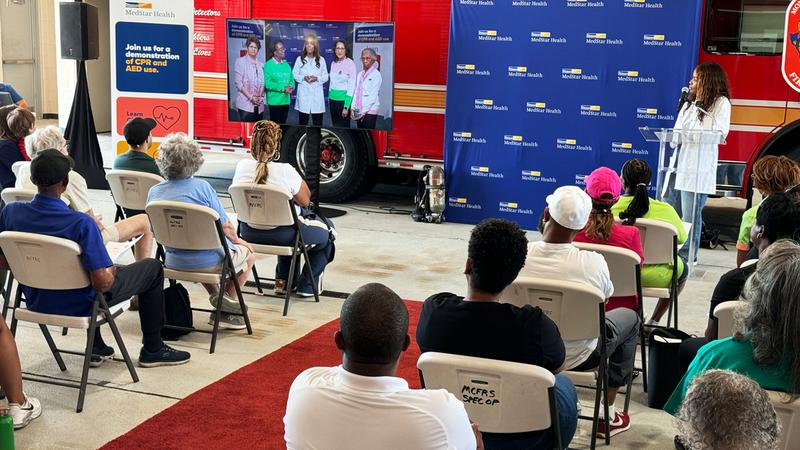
<point>682,202</point>
<point>318,255</point>
<point>567,404</point>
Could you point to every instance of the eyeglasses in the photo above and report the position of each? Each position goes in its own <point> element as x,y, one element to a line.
<point>279,49</point>
<point>366,58</point>
<point>340,48</point>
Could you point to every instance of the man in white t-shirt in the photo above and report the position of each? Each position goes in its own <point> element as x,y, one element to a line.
<point>362,404</point>
<point>555,258</point>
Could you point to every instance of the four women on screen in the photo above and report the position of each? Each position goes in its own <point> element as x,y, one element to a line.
<point>352,94</point>
<point>249,82</point>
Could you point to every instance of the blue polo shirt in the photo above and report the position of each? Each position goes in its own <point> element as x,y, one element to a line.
<point>15,97</point>
<point>51,216</point>
<point>197,192</point>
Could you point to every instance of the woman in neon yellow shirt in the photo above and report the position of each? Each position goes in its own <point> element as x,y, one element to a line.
<point>634,204</point>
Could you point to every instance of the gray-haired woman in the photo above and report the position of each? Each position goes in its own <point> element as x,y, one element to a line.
<point>768,349</point>
<point>724,409</point>
<point>366,98</point>
<point>179,159</point>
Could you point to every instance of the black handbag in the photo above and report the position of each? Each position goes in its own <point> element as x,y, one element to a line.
<point>177,312</point>
<point>663,366</point>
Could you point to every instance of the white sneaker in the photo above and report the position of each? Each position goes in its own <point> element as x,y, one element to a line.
<point>228,321</point>
<point>311,294</point>
<point>24,414</point>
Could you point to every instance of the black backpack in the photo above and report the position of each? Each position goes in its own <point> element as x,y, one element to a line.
<point>177,312</point>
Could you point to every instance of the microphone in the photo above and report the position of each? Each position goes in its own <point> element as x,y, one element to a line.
<point>683,98</point>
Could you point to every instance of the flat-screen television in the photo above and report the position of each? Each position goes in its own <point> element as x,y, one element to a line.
<point>331,74</point>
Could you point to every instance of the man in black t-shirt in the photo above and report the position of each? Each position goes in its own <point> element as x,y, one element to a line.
<point>479,325</point>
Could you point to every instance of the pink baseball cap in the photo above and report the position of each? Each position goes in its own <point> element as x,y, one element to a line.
<point>603,184</point>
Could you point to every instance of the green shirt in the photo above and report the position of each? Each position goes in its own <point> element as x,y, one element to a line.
<point>656,275</point>
<point>276,77</point>
<point>737,356</point>
<point>138,161</point>
<point>748,220</point>
<point>341,96</point>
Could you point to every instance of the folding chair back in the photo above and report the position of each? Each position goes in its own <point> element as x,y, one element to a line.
<point>500,396</point>
<point>44,262</point>
<point>11,195</point>
<point>572,306</point>
<point>129,187</point>
<point>622,266</point>
<point>183,225</point>
<point>789,418</point>
<point>15,168</point>
<point>658,240</point>
<point>724,313</point>
<point>262,204</point>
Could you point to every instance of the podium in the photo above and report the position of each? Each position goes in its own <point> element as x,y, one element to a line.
<point>680,140</point>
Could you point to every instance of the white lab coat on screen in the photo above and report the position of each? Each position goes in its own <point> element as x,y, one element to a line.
<point>696,164</point>
<point>370,100</point>
<point>310,98</point>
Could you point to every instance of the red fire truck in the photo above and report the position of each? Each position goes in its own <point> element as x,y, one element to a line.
<point>744,36</point>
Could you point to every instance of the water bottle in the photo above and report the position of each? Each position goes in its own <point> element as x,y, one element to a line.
<point>6,430</point>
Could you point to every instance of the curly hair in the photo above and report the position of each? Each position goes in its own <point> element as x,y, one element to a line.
<point>773,174</point>
<point>712,83</point>
<point>773,322</point>
<point>600,221</point>
<point>265,146</point>
<point>497,249</point>
<point>179,157</point>
<point>723,409</point>
<point>252,39</point>
<point>44,138</point>
<point>5,133</point>
<point>636,175</point>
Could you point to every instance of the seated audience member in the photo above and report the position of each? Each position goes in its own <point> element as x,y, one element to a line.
<point>635,204</point>
<point>555,258</point>
<point>778,217</point>
<point>11,150</point>
<point>137,135</point>
<point>361,404</point>
<point>771,174</point>
<point>480,325</point>
<point>768,348</point>
<point>76,195</point>
<point>22,408</point>
<point>21,123</point>
<point>726,410</point>
<point>603,186</point>
<point>316,231</point>
<point>16,97</point>
<point>179,159</point>
<point>47,214</point>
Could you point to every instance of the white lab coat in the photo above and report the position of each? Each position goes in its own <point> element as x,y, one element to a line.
<point>310,98</point>
<point>696,164</point>
<point>370,100</point>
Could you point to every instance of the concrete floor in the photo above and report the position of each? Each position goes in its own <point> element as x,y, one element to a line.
<point>416,260</point>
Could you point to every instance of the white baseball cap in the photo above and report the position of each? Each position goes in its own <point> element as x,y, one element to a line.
<point>570,206</point>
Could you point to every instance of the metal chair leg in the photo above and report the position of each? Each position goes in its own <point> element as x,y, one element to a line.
<point>289,283</point>
<point>87,356</point>
<point>257,280</point>
<point>217,316</point>
<point>50,343</point>
<point>241,303</point>
<point>118,337</point>
<point>314,285</point>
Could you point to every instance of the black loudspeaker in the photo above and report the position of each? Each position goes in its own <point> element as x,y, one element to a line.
<point>79,37</point>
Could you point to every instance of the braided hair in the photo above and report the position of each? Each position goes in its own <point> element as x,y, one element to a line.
<point>265,146</point>
<point>636,172</point>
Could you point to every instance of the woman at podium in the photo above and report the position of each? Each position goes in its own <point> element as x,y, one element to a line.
<point>695,161</point>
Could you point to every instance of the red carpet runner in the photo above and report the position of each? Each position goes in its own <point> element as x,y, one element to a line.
<point>245,409</point>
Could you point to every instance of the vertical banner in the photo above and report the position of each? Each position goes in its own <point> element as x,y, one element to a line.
<point>541,92</point>
<point>151,66</point>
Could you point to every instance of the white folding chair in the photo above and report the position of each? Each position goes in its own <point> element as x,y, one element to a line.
<point>789,418</point>
<point>46,262</point>
<point>263,205</point>
<point>11,195</point>
<point>129,189</point>
<point>500,396</point>
<point>186,226</point>
<point>17,166</point>
<point>724,317</point>
<point>579,311</point>
<point>624,267</point>
<point>660,245</point>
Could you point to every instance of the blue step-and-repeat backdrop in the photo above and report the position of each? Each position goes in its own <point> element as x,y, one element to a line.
<point>541,92</point>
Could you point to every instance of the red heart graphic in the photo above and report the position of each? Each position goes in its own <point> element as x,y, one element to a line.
<point>166,117</point>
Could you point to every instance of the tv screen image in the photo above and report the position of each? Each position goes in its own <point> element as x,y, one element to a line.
<point>311,73</point>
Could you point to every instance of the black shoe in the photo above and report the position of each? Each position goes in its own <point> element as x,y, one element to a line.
<point>100,355</point>
<point>165,356</point>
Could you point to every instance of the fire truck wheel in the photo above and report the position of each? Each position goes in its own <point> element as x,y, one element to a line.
<point>345,171</point>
